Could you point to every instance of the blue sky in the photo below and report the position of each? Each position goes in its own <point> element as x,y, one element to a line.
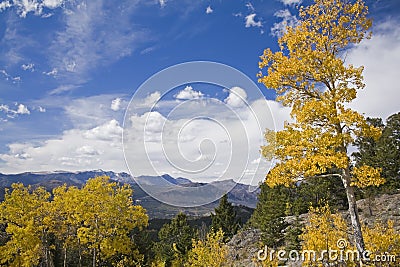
<point>69,68</point>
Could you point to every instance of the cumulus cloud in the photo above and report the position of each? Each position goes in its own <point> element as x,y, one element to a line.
<point>250,21</point>
<point>204,131</point>
<point>188,93</point>
<point>4,5</point>
<point>30,67</point>
<point>237,97</point>
<point>116,104</point>
<point>107,132</point>
<point>380,57</point>
<point>200,131</point>
<point>287,20</point>
<point>22,109</point>
<point>152,99</point>
<point>36,7</point>
<point>209,10</point>
<point>95,148</point>
<point>291,2</point>
<point>12,113</point>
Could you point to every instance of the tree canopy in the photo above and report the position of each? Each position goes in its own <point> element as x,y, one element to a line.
<point>225,218</point>
<point>310,75</point>
<point>87,226</point>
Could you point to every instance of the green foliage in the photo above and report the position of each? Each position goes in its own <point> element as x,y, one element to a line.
<point>293,233</point>
<point>225,218</point>
<point>269,213</point>
<point>318,191</point>
<point>389,148</point>
<point>175,241</point>
<point>274,203</point>
<point>382,153</point>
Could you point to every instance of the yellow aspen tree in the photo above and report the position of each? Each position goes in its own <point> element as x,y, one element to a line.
<point>64,223</point>
<point>211,252</point>
<point>383,241</point>
<point>310,75</point>
<point>107,216</point>
<point>25,212</point>
<point>326,232</point>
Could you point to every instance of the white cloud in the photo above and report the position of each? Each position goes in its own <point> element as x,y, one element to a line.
<point>288,20</point>
<point>30,67</point>
<point>22,109</point>
<point>5,108</point>
<point>162,3</point>
<point>5,74</point>
<point>86,40</point>
<point>62,89</point>
<point>188,93</point>
<point>380,57</point>
<point>107,132</point>
<point>250,7</point>
<point>209,10</point>
<point>12,113</point>
<point>75,149</point>
<point>8,77</point>
<point>88,112</point>
<point>202,131</point>
<point>196,133</point>
<point>41,109</point>
<point>147,50</point>
<point>237,97</point>
<point>152,99</point>
<point>116,104</point>
<point>250,21</point>
<point>52,4</point>
<point>89,39</point>
<point>291,2</point>
<point>4,5</point>
<point>53,72</point>
<point>31,6</point>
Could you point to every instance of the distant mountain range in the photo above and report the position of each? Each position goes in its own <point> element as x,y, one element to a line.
<point>239,194</point>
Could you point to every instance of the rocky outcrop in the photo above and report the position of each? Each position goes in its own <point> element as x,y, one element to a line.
<point>243,247</point>
<point>382,208</point>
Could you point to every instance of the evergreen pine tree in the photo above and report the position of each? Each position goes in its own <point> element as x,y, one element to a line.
<point>388,150</point>
<point>293,240</point>
<point>269,214</point>
<point>367,146</point>
<point>175,241</point>
<point>383,153</point>
<point>225,218</point>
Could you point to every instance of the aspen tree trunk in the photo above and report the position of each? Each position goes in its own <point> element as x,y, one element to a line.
<point>355,219</point>
<point>65,257</point>
<point>94,257</point>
